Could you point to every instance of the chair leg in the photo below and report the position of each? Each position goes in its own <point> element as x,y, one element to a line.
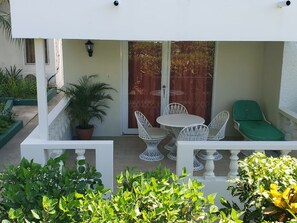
<point>197,165</point>
<point>169,146</point>
<point>151,152</point>
<point>172,153</point>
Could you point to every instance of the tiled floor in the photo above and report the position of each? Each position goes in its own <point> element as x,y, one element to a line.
<point>127,149</point>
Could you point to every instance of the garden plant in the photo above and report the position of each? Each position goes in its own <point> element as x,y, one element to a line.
<point>266,188</point>
<point>43,194</point>
<point>26,189</point>
<point>12,84</point>
<point>6,119</point>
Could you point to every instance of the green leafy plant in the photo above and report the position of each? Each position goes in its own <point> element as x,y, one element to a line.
<point>22,188</point>
<point>12,84</point>
<point>257,173</point>
<point>156,196</point>
<point>88,99</point>
<point>6,118</point>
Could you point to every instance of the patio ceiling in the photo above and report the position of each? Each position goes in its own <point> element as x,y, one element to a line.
<point>249,20</point>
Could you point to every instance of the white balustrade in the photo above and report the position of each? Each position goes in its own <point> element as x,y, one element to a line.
<point>218,184</point>
<point>40,150</point>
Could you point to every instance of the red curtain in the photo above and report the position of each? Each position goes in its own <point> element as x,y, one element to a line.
<point>145,60</point>
<point>191,72</point>
<point>191,76</point>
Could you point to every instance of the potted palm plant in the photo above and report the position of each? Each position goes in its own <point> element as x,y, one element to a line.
<point>88,98</point>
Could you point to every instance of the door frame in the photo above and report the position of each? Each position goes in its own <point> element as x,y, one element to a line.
<point>165,80</point>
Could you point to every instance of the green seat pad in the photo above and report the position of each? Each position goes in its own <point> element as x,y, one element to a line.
<point>260,131</point>
<point>247,110</point>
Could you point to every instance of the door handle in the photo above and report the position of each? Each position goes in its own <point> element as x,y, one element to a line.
<point>164,87</point>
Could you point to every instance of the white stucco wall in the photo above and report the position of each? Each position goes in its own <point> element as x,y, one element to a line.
<point>288,96</point>
<point>10,53</point>
<point>241,72</point>
<point>106,62</point>
<point>273,53</point>
<point>238,75</point>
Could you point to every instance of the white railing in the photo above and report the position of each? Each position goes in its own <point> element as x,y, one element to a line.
<point>219,184</point>
<point>40,150</point>
<point>59,123</point>
<point>288,123</point>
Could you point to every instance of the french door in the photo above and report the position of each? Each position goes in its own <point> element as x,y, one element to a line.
<point>158,73</point>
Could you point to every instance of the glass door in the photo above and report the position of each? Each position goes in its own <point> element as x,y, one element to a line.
<point>161,72</point>
<point>191,76</point>
<point>144,81</point>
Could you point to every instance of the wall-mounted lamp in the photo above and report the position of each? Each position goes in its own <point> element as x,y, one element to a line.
<point>116,3</point>
<point>283,3</point>
<point>89,46</point>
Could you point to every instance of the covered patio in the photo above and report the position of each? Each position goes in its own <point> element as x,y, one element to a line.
<point>250,62</point>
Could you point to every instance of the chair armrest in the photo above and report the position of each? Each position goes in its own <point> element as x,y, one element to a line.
<point>265,119</point>
<point>236,124</point>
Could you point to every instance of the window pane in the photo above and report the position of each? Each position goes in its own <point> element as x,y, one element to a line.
<point>30,51</point>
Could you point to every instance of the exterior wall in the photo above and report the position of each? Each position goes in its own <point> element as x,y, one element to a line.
<point>10,53</point>
<point>272,72</point>
<point>106,62</point>
<point>238,75</point>
<point>288,93</point>
<point>13,53</point>
<point>249,20</point>
<point>241,72</point>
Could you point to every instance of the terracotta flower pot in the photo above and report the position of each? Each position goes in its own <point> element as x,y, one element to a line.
<point>84,134</point>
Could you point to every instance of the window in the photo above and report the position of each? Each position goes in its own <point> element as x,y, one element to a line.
<point>30,51</point>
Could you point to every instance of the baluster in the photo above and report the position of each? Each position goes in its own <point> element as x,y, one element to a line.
<point>209,165</point>
<point>81,163</point>
<point>233,163</point>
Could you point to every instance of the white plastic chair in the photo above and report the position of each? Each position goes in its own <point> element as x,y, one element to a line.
<point>152,136</point>
<point>194,133</point>
<point>217,129</point>
<point>173,108</point>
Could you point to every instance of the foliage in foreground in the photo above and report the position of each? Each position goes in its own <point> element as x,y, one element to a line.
<point>266,188</point>
<point>29,186</point>
<point>157,196</point>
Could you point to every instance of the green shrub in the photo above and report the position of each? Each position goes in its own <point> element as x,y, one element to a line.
<point>12,84</point>
<point>31,193</point>
<point>6,119</point>
<point>257,173</point>
<point>22,188</point>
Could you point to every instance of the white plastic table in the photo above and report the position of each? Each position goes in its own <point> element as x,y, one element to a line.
<point>177,122</point>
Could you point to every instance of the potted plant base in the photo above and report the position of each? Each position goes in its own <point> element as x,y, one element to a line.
<point>84,134</point>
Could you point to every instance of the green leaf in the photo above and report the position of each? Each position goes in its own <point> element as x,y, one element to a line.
<point>35,215</point>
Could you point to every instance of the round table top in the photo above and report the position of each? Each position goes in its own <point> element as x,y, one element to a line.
<point>180,120</point>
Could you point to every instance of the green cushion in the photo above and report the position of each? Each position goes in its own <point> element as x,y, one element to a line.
<point>245,110</point>
<point>260,131</point>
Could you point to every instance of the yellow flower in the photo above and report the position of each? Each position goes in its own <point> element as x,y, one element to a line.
<point>293,207</point>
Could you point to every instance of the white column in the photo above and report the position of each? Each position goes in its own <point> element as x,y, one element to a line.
<point>41,88</point>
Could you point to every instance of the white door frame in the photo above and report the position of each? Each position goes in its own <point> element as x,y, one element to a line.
<point>165,81</point>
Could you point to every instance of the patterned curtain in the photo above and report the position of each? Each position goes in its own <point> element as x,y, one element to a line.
<point>191,76</point>
<point>145,60</point>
